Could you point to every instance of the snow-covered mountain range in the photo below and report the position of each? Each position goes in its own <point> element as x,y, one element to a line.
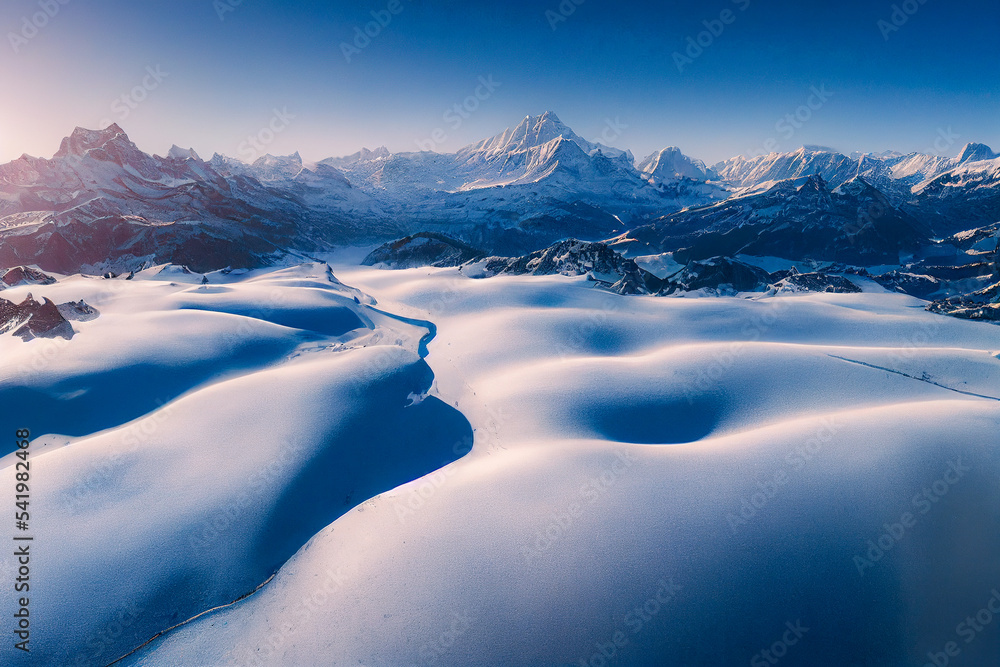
<point>852,223</point>
<point>100,203</point>
<point>913,170</point>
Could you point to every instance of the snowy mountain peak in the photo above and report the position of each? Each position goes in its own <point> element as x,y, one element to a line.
<point>268,160</point>
<point>880,155</point>
<point>749,172</point>
<point>83,140</point>
<point>277,167</point>
<point>363,156</point>
<point>861,187</point>
<point>671,164</point>
<point>874,172</point>
<point>973,152</point>
<point>379,153</point>
<point>814,183</point>
<point>531,132</point>
<point>278,159</point>
<point>812,148</point>
<point>178,153</point>
<point>546,126</point>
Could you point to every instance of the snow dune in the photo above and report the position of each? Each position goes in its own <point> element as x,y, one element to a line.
<point>653,482</point>
<point>143,524</point>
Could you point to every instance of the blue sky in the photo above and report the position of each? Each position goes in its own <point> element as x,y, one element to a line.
<point>605,67</point>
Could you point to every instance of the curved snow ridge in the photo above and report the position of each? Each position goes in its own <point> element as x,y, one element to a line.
<point>231,478</point>
<point>425,339</point>
<point>163,339</point>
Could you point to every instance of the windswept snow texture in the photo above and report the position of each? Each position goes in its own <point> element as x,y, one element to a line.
<point>653,482</point>
<point>215,429</point>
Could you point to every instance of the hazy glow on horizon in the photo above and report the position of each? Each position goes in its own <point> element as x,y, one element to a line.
<point>219,81</point>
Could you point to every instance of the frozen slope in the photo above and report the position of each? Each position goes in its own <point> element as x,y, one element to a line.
<point>287,399</point>
<point>661,482</point>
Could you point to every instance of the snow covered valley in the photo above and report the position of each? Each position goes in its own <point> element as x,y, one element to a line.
<point>521,470</point>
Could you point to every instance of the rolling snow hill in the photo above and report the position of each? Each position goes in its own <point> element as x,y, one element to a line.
<point>660,471</point>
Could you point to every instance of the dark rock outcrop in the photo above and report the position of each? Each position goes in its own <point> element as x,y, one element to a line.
<point>967,310</point>
<point>32,319</point>
<point>814,282</point>
<point>422,249</point>
<point>601,264</point>
<point>796,219</point>
<point>24,275</point>
<point>922,286</point>
<point>723,274</point>
<point>574,258</point>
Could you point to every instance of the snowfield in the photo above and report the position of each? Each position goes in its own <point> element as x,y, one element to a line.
<point>810,478</point>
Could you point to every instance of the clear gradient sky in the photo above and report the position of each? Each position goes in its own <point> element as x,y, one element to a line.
<point>222,78</point>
